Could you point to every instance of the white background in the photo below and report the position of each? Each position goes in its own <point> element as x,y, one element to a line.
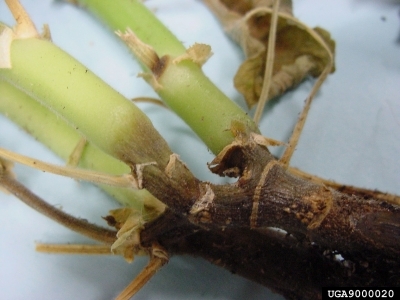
<point>352,136</point>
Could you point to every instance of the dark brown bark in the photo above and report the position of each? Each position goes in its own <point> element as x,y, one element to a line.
<point>295,268</point>
<point>266,194</point>
<point>333,238</point>
<point>330,238</point>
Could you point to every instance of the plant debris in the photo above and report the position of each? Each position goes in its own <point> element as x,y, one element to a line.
<point>299,50</point>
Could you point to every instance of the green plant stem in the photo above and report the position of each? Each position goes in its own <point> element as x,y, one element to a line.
<point>121,14</point>
<point>202,105</point>
<point>89,105</point>
<point>183,86</point>
<point>59,137</point>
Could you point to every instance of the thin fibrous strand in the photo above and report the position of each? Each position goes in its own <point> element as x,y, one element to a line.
<point>257,193</point>
<point>269,63</point>
<point>74,249</point>
<point>145,275</point>
<point>287,155</point>
<point>267,80</point>
<point>126,180</point>
<point>83,227</point>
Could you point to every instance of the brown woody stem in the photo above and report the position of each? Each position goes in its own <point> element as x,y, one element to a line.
<point>348,189</point>
<point>267,195</point>
<point>293,267</point>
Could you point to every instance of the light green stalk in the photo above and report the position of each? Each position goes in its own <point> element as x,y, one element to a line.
<point>183,86</point>
<point>121,14</point>
<point>56,134</point>
<point>102,115</point>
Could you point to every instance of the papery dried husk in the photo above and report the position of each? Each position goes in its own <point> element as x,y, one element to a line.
<point>129,222</point>
<point>298,53</point>
<point>198,53</point>
<point>7,35</point>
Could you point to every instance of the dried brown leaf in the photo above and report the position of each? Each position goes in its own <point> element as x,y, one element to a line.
<point>298,53</point>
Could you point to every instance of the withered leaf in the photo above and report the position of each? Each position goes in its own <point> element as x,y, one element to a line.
<point>298,53</point>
